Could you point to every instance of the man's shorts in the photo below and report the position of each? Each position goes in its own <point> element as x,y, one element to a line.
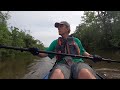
<point>72,72</point>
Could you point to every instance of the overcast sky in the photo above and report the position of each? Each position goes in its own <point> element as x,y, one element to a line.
<point>41,23</point>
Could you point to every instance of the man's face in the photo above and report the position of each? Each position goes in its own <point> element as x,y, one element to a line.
<point>62,29</point>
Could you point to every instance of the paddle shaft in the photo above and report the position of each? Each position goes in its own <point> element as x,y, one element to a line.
<point>63,54</point>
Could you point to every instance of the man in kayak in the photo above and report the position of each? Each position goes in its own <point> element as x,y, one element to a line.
<point>67,67</point>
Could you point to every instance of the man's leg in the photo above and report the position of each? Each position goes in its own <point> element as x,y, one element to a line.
<point>85,74</point>
<point>83,71</point>
<point>57,74</point>
<point>60,71</point>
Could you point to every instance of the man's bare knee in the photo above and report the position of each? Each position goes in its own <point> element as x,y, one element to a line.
<point>57,74</point>
<point>85,74</point>
<point>58,71</point>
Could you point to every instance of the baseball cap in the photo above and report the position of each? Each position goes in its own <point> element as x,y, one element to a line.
<point>62,22</point>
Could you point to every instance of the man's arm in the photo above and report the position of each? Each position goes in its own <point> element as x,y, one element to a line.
<point>86,54</point>
<point>96,58</point>
<point>50,48</point>
<point>42,55</point>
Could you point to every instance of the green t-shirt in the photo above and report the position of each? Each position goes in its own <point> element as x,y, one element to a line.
<point>54,44</point>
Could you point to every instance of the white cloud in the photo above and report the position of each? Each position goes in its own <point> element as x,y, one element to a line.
<point>41,23</point>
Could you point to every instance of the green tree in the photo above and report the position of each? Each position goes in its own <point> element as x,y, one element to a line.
<point>13,36</point>
<point>99,29</point>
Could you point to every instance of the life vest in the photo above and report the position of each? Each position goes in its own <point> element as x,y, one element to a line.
<point>67,46</point>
